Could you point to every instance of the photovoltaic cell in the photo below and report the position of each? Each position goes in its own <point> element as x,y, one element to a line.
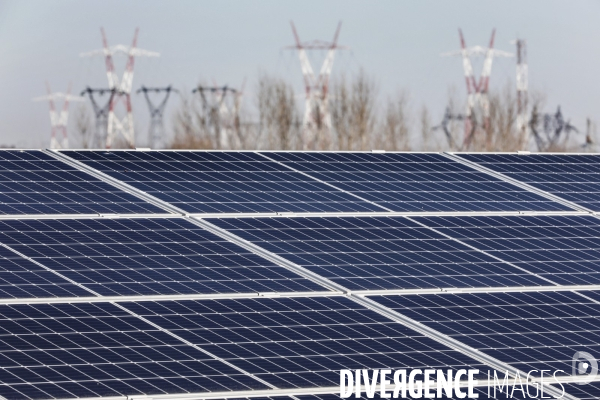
<point>32,182</point>
<point>573,177</point>
<point>415,182</point>
<point>88,350</point>
<point>589,391</point>
<point>564,249</point>
<point>299,342</point>
<point>21,278</point>
<point>218,182</point>
<point>117,257</point>
<point>530,330</point>
<point>367,253</point>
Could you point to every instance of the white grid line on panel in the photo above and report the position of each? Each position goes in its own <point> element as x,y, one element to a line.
<point>500,289</point>
<point>299,214</point>
<point>323,182</point>
<point>515,182</point>
<point>170,297</point>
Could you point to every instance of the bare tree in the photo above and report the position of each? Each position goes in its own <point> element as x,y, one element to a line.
<point>190,126</point>
<point>426,130</point>
<point>278,114</point>
<point>394,134</point>
<point>353,112</point>
<point>502,133</point>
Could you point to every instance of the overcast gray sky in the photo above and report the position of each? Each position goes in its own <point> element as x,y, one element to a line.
<point>396,42</point>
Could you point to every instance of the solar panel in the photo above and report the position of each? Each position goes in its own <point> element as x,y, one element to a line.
<point>369,253</point>
<point>531,330</point>
<point>89,350</point>
<point>32,182</point>
<point>117,257</point>
<point>415,182</point>
<point>21,278</point>
<point>218,182</point>
<point>589,391</point>
<point>299,342</point>
<point>573,177</point>
<point>564,249</point>
<point>293,337</point>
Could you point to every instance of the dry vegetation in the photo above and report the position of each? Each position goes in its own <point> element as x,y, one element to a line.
<point>360,120</point>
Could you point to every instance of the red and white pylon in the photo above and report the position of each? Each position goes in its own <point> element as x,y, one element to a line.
<point>122,126</point>
<point>477,92</point>
<point>522,82</point>
<point>59,120</point>
<point>317,117</point>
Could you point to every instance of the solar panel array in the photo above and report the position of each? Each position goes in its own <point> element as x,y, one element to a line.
<point>389,260</point>
<point>33,182</point>
<point>208,182</point>
<point>218,182</point>
<point>125,257</point>
<point>573,177</point>
<point>374,253</point>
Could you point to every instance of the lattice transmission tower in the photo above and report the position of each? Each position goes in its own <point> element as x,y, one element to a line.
<point>156,131</point>
<point>316,124</point>
<point>522,82</point>
<point>101,111</point>
<point>221,114</point>
<point>120,123</point>
<point>59,119</point>
<point>477,111</point>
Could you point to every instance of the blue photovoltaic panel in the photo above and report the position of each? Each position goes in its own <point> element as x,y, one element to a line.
<point>529,330</point>
<point>367,253</point>
<point>572,177</point>
<point>220,182</point>
<point>588,391</point>
<point>32,182</point>
<point>21,278</point>
<point>64,351</point>
<point>147,257</point>
<point>415,182</point>
<point>564,249</point>
<point>299,342</point>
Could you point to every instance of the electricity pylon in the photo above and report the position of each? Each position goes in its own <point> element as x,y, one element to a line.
<point>220,114</point>
<point>101,113</point>
<point>122,87</point>
<point>522,89</point>
<point>477,92</point>
<point>59,120</point>
<point>156,132</point>
<point>317,117</point>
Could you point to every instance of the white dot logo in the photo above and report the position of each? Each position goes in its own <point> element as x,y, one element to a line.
<point>584,367</point>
